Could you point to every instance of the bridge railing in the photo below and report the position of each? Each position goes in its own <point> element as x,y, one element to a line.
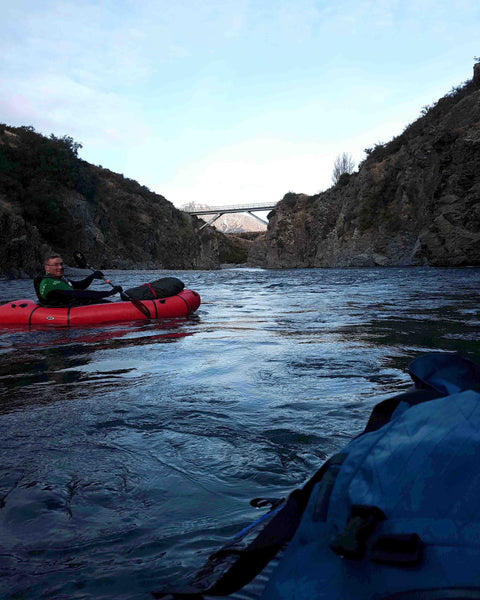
<point>233,208</point>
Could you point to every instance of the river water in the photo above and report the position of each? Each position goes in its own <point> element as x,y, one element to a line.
<point>130,452</point>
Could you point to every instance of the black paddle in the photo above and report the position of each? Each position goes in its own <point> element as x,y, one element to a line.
<point>82,263</point>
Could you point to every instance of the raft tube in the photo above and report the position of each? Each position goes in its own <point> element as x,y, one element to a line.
<point>27,312</point>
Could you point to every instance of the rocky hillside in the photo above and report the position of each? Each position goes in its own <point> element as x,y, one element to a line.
<point>229,222</point>
<point>414,200</point>
<point>52,200</point>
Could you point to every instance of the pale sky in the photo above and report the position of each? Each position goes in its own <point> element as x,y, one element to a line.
<point>226,102</point>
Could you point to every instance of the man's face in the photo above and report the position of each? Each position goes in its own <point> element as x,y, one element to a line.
<point>54,266</point>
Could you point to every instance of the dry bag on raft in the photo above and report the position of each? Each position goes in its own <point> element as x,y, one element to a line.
<point>160,288</point>
<point>394,516</point>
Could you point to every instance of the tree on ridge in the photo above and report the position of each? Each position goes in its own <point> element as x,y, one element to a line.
<point>344,164</point>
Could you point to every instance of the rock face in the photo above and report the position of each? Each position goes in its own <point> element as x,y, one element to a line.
<point>414,201</point>
<point>21,246</point>
<point>51,200</point>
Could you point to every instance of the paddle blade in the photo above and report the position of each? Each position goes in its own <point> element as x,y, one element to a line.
<point>80,260</point>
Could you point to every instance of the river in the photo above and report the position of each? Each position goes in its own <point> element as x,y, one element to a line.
<point>130,452</point>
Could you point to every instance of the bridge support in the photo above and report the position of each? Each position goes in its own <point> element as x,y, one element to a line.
<point>212,220</point>
<point>218,211</point>
<point>257,217</point>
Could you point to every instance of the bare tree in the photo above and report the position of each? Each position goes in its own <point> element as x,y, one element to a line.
<point>344,164</point>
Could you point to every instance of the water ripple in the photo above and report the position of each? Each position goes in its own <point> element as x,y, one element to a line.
<point>130,452</point>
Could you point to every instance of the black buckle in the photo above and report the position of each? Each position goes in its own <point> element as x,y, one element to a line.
<point>351,543</point>
<point>397,549</point>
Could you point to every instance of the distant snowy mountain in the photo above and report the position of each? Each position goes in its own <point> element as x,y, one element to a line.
<point>228,223</point>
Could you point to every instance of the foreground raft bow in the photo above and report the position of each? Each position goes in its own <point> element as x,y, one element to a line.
<point>395,515</point>
<point>27,312</point>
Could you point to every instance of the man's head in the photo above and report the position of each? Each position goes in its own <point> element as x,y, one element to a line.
<point>53,265</point>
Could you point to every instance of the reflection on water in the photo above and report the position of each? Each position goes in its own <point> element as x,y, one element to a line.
<point>65,356</point>
<point>130,452</point>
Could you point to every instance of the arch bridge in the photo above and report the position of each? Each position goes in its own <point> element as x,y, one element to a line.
<point>218,211</point>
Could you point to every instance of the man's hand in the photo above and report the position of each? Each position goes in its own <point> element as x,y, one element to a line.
<point>97,275</point>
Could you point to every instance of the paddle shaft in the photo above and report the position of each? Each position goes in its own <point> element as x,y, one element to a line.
<point>80,259</point>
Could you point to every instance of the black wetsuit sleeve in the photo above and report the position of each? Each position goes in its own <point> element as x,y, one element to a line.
<point>57,297</point>
<point>83,283</point>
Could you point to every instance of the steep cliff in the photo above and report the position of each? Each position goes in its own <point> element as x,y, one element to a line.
<point>52,200</point>
<point>414,201</point>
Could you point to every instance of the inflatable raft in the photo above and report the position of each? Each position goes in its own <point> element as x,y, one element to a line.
<point>27,312</point>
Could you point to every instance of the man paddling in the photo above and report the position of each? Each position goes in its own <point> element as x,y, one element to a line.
<point>54,289</point>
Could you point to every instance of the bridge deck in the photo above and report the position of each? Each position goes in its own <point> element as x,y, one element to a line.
<point>233,208</point>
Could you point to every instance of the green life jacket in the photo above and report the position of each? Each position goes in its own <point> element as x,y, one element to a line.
<point>50,283</point>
